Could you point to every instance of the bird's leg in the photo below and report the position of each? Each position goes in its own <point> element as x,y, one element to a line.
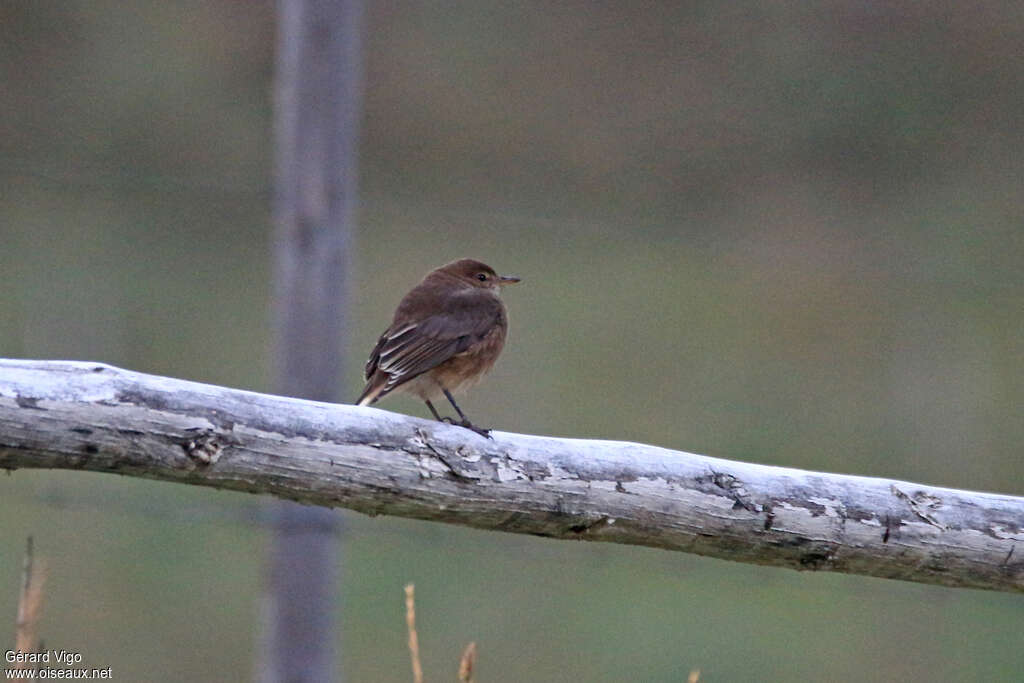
<point>433,410</point>
<point>448,420</point>
<point>455,405</point>
<point>465,420</point>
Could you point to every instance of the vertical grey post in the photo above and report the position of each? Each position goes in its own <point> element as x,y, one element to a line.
<point>317,109</point>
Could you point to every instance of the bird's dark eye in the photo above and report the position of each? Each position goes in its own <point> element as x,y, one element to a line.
<point>482,277</point>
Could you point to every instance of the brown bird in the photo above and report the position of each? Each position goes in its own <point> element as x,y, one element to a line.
<point>446,334</point>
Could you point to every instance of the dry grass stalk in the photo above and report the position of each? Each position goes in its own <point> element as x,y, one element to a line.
<point>694,676</point>
<point>467,664</point>
<point>30,606</point>
<point>414,641</point>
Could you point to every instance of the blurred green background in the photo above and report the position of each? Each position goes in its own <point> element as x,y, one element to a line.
<point>784,232</point>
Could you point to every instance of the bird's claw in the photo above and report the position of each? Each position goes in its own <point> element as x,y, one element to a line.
<point>486,433</point>
<point>466,424</point>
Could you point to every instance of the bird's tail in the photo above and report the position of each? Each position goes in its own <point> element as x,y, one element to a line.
<point>372,390</point>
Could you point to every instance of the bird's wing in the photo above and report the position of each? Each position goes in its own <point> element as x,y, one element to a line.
<point>409,349</point>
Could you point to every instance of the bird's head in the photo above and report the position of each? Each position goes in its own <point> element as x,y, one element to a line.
<point>477,274</point>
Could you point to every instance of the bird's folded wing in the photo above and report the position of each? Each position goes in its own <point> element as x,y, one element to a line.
<point>410,349</point>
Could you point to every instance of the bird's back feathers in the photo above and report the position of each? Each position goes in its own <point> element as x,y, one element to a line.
<point>435,322</point>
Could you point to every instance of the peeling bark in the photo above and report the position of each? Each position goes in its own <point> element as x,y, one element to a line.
<point>90,416</point>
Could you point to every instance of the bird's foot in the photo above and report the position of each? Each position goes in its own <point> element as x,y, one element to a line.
<point>468,425</point>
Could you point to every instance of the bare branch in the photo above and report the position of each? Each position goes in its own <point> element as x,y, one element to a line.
<point>89,416</point>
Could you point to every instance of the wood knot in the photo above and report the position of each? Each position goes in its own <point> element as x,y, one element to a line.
<point>204,447</point>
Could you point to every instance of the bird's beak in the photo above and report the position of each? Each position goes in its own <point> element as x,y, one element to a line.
<point>507,279</point>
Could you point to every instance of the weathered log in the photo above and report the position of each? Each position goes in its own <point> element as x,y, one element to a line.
<point>90,416</point>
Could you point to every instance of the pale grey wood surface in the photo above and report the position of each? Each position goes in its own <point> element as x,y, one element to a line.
<point>90,416</point>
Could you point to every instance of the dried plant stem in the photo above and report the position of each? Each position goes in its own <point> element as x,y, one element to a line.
<point>30,606</point>
<point>467,664</point>
<point>414,641</point>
